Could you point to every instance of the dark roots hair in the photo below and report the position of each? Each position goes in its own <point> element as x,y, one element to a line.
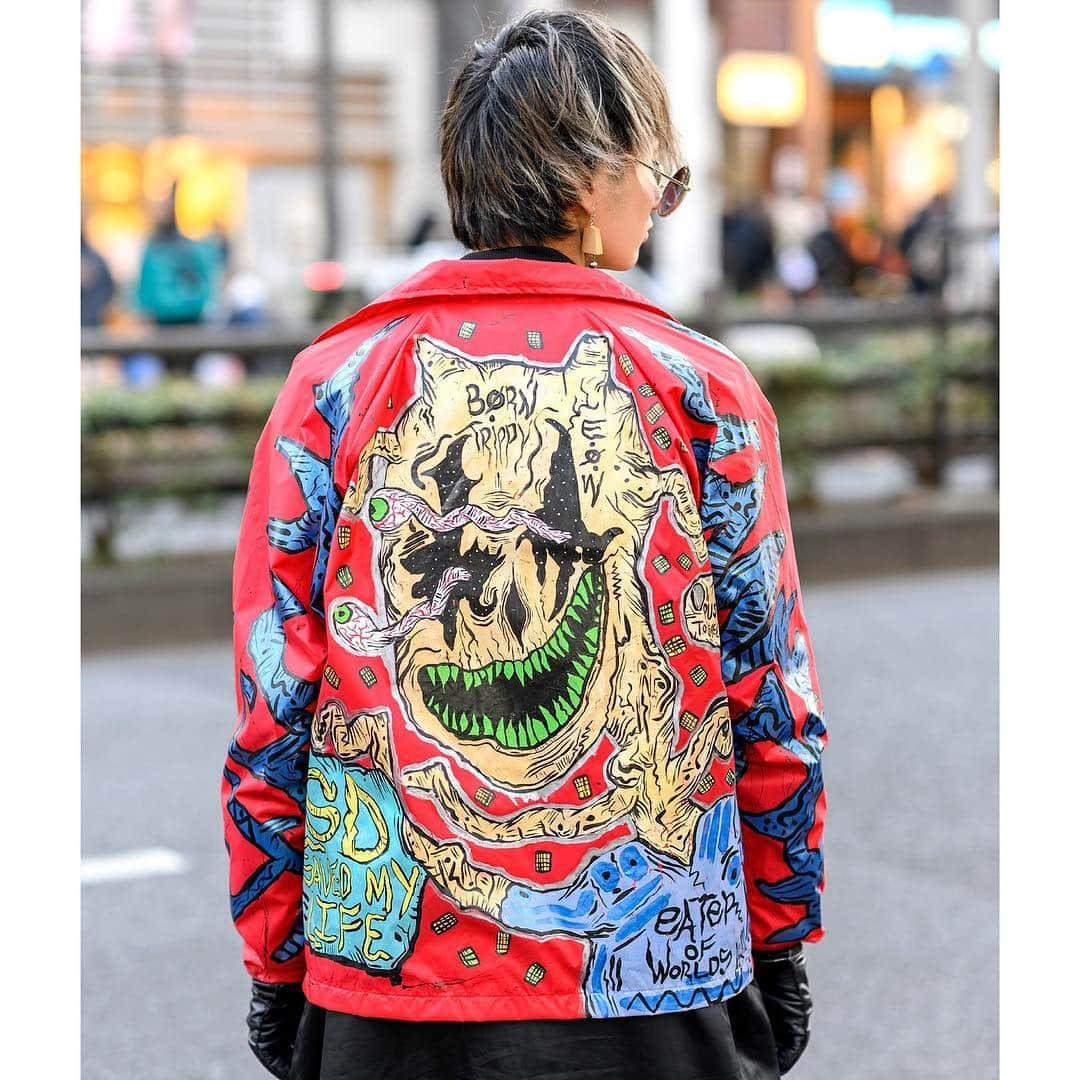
<point>534,113</point>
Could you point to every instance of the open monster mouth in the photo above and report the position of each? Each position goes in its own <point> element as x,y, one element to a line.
<point>519,704</point>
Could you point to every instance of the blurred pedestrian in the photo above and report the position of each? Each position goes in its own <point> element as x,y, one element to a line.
<point>517,615</point>
<point>97,285</point>
<point>180,277</point>
<point>836,270</point>
<point>246,300</point>
<point>796,218</point>
<point>748,251</point>
<point>924,243</point>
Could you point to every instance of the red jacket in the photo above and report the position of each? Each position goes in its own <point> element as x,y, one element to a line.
<point>529,721</point>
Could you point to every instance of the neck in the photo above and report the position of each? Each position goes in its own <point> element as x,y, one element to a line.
<point>570,246</point>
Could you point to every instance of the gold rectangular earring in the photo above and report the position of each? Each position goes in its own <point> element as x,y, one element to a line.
<point>591,244</point>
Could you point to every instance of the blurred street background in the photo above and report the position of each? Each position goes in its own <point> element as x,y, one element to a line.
<point>904,981</point>
<point>253,170</point>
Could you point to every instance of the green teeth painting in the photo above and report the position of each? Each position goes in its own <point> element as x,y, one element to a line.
<point>527,684</point>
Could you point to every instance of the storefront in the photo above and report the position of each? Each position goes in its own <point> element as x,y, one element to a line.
<point>856,107</point>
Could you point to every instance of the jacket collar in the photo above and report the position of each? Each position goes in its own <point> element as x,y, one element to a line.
<point>498,279</point>
<point>521,251</point>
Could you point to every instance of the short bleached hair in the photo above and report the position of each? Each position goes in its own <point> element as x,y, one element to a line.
<point>534,112</point>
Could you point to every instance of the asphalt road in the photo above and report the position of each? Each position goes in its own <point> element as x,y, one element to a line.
<point>905,981</point>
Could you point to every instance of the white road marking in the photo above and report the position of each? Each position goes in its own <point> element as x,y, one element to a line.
<point>145,862</point>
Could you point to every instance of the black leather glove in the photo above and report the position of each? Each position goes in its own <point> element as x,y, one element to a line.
<point>273,1020</point>
<point>785,987</point>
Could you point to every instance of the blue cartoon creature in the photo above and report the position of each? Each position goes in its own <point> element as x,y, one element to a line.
<point>661,936</point>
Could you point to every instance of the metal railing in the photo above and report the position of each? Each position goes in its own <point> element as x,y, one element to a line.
<point>209,448</point>
<point>836,320</point>
<point>833,319</point>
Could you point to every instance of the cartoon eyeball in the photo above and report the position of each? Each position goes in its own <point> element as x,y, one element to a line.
<point>632,862</point>
<point>344,611</point>
<point>731,868</point>
<point>378,508</point>
<point>605,875</point>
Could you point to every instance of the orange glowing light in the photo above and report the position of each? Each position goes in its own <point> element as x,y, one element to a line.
<point>761,89</point>
<point>887,109</point>
<point>209,194</point>
<point>112,173</point>
<point>166,160</point>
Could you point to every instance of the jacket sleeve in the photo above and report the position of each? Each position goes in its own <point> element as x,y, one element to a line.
<point>768,664</point>
<point>279,649</point>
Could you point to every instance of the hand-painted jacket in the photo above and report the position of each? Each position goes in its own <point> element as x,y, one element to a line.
<point>529,721</point>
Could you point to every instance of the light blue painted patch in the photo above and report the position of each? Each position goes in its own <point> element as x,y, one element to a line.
<point>362,888</point>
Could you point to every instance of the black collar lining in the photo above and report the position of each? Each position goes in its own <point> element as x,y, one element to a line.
<point>536,252</point>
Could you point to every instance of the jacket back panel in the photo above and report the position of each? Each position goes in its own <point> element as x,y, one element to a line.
<point>520,793</point>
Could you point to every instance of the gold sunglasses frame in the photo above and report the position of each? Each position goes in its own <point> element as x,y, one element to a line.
<point>685,186</point>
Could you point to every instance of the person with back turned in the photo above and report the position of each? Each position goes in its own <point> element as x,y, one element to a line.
<point>526,782</point>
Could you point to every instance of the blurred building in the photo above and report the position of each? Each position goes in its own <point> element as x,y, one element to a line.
<point>232,106</point>
<point>870,108</point>
<point>306,129</point>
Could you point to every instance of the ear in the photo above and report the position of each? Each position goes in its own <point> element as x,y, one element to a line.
<point>437,362</point>
<point>592,350</point>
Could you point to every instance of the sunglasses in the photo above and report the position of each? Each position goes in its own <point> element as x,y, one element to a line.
<point>674,191</point>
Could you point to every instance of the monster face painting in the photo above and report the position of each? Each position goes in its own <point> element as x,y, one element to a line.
<point>512,502</point>
<point>513,506</point>
<point>530,487</point>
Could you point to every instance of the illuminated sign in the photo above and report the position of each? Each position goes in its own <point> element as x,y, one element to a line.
<point>990,44</point>
<point>761,89</point>
<point>867,36</point>
<point>917,39</point>
<point>855,33</point>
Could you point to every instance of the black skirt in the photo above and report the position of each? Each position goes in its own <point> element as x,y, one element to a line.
<point>731,1040</point>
